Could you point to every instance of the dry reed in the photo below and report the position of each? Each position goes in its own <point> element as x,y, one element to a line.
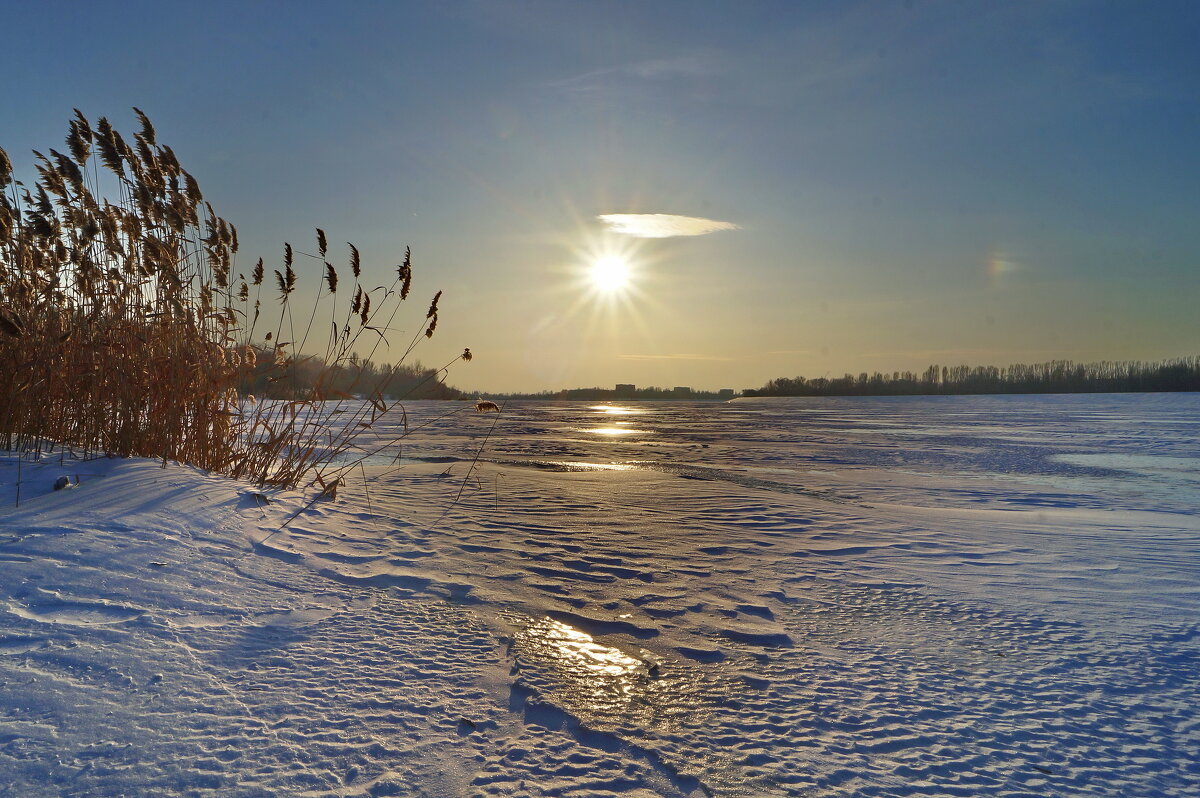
<point>126,329</point>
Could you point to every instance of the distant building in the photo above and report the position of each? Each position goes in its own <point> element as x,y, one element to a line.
<point>682,391</point>
<point>625,390</point>
<point>725,393</point>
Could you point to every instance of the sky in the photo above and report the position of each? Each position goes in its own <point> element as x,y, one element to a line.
<point>793,188</point>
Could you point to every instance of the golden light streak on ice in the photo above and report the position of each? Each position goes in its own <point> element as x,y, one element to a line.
<point>577,650</point>
<point>601,678</point>
<point>612,410</point>
<point>575,465</point>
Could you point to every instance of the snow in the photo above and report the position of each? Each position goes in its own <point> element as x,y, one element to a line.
<point>892,596</point>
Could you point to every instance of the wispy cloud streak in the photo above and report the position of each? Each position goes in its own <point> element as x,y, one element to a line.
<point>662,225</point>
<point>673,357</point>
<point>659,69</point>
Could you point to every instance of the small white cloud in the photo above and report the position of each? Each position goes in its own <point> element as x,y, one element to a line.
<point>662,225</point>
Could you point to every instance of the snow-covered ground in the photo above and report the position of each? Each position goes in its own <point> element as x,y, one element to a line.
<point>893,596</point>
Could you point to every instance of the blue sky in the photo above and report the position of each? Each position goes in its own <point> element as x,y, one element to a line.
<point>910,182</point>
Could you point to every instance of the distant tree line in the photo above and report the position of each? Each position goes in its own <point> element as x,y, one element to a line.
<point>302,376</point>
<point>610,394</point>
<point>1055,376</point>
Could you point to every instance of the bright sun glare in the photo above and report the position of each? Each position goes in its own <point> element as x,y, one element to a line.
<point>610,273</point>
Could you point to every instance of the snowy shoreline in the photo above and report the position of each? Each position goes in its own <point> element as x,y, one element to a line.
<point>677,610</point>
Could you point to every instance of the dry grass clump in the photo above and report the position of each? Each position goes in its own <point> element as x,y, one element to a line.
<point>125,327</point>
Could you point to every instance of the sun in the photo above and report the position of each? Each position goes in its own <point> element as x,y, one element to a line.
<point>609,273</point>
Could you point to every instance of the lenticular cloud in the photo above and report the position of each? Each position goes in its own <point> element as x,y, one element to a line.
<point>662,225</point>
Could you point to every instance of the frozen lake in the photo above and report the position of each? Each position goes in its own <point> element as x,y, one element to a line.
<point>1106,481</point>
<point>882,595</point>
<point>802,597</point>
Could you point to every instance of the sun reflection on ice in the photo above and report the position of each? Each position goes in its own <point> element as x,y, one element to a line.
<point>612,410</point>
<point>606,687</point>
<point>577,650</point>
<point>599,675</point>
<point>614,431</point>
<point>579,465</point>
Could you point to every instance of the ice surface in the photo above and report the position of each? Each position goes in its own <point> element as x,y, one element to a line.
<point>894,596</point>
